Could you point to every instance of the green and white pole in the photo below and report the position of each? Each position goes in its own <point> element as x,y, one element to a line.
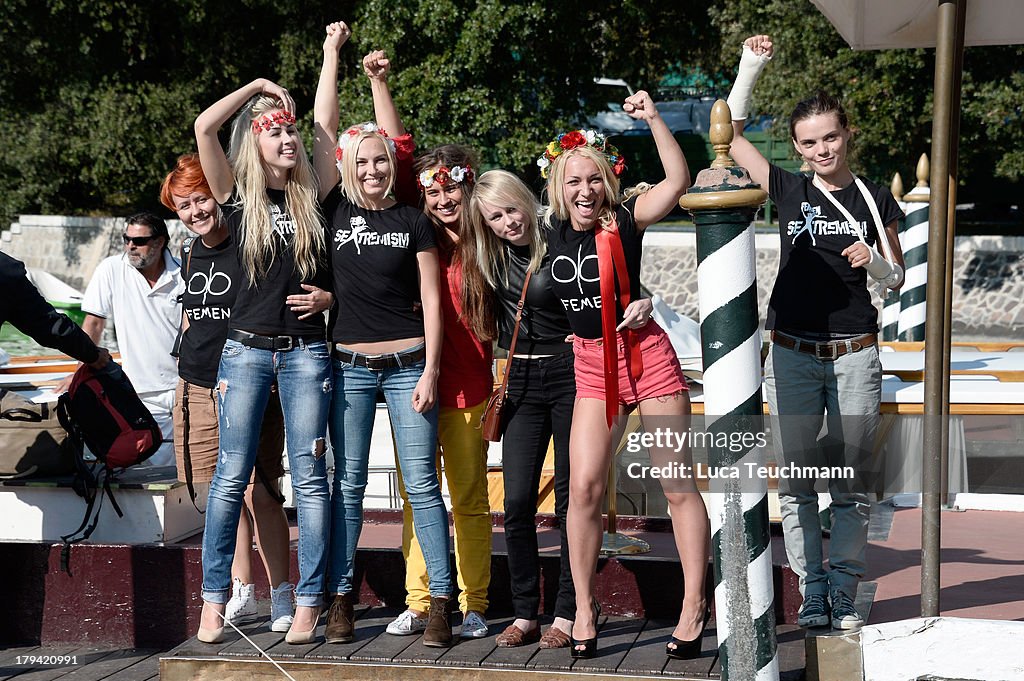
<point>723,203</point>
<point>914,241</point>
<point>891,303</point>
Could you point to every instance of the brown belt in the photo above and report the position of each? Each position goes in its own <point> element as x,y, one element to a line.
<point>827,350</point>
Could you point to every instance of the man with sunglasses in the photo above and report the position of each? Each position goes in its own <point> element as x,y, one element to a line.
<point>139,289</point>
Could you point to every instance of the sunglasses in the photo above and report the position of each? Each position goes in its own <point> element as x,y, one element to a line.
<point>137,240</point>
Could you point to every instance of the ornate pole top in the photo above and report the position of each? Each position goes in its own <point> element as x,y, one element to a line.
<point>923,169</point>
<point>724,185</point>
<point>896,187</point>
<point>721,134</point>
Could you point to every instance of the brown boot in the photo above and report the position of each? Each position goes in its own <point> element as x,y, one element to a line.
<point>340,627</point>
<point>438,633</point>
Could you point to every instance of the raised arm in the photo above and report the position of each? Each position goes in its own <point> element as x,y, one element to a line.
<point>376,66</point>
<point>211,153</point>
<point>757,50</point>
<point>325,109</point>
<point>660,199</point>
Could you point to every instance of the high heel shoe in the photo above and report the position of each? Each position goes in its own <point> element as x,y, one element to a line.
<point>214,635</point>
<point>589,649</point>
<point>300,637</point>
<point>688,650</point>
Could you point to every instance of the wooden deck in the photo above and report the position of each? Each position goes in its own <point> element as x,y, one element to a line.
<point>79,663</point>
<point>627,648</point>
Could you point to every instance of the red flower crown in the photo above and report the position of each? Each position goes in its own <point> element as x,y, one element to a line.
<point>581,138</point>
<point>442,174</point>
<point>269,120</point>
<point>357,129</point>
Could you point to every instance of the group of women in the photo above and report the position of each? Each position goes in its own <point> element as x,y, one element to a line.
<point>416,298</point>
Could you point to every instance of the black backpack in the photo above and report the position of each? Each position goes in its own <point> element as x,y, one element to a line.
<point>102,411</point>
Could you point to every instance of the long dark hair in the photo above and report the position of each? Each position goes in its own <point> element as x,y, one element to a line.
<point>451,155</point>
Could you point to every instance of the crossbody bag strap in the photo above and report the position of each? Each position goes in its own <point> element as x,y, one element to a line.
<point>515,335</point>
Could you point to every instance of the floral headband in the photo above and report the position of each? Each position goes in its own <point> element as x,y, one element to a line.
<point>581,138</point>
<point>269,120</point>
<point>357,130</point>
<point>442,174</point>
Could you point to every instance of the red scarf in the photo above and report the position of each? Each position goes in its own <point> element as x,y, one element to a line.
<point>611,263</point>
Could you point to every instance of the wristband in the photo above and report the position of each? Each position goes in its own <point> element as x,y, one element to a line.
<point>750,69</point>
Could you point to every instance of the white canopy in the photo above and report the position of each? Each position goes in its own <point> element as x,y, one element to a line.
<point>893,24</point>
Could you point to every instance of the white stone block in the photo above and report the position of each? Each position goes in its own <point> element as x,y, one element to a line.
<point>946,647</point>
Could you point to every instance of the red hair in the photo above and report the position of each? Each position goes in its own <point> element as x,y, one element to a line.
<point>187,177</point>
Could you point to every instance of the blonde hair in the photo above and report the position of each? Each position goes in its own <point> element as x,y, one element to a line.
<point>257,238</point>
<point>351,187</point>
<point>484,266</point>
<point>558,209</point>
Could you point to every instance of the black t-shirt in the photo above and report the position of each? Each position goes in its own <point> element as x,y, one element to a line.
<point>260,308</point>
<point>575,273</point>
<point>544,326</point>
<point>211,278</point>
<point>816,291</point>
<point>376,275</point>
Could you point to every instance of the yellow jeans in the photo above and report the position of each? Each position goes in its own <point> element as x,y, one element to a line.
<point>464,454</point>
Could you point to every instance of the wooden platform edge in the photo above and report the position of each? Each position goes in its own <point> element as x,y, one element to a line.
<point>190,668</point>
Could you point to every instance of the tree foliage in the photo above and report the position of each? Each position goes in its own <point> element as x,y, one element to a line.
<point>104,93</point>
<point>887,93</point>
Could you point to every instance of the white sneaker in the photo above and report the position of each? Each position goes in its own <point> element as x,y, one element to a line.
<point>242,603</point>
<point>282,607</point>
<point>407,623</point>
<point>473,625</point>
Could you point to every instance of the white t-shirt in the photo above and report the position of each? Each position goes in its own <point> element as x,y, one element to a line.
<point>146,319</point>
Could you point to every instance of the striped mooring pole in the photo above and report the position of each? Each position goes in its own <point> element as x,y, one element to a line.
<point>891,303</point>
<point>914,241</point>
<point>723,202</point>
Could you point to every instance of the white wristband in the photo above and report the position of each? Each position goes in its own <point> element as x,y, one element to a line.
<point>751,66</point>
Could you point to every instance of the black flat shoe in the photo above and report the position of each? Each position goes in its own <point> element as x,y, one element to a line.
<point>589,649</point>
<point>688,650</point>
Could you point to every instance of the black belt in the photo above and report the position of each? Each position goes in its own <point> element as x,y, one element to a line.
<point>275,343</point>
<point>826,350</point>
<point>390,360</point>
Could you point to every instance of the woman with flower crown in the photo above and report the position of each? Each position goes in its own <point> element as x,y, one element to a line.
<point>445,177</point>
<point>267,195</point>
<point>386,331</point>
<point>623,359</point>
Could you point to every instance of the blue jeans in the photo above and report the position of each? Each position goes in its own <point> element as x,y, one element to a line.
<point>803,392</point>
<point>352,411</point>
<point>303,376</point>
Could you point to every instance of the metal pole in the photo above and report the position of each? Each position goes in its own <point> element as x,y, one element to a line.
<point>954,158</point>
<point>612,542</point>
<point>723,202</point>
<point>936,306</point>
